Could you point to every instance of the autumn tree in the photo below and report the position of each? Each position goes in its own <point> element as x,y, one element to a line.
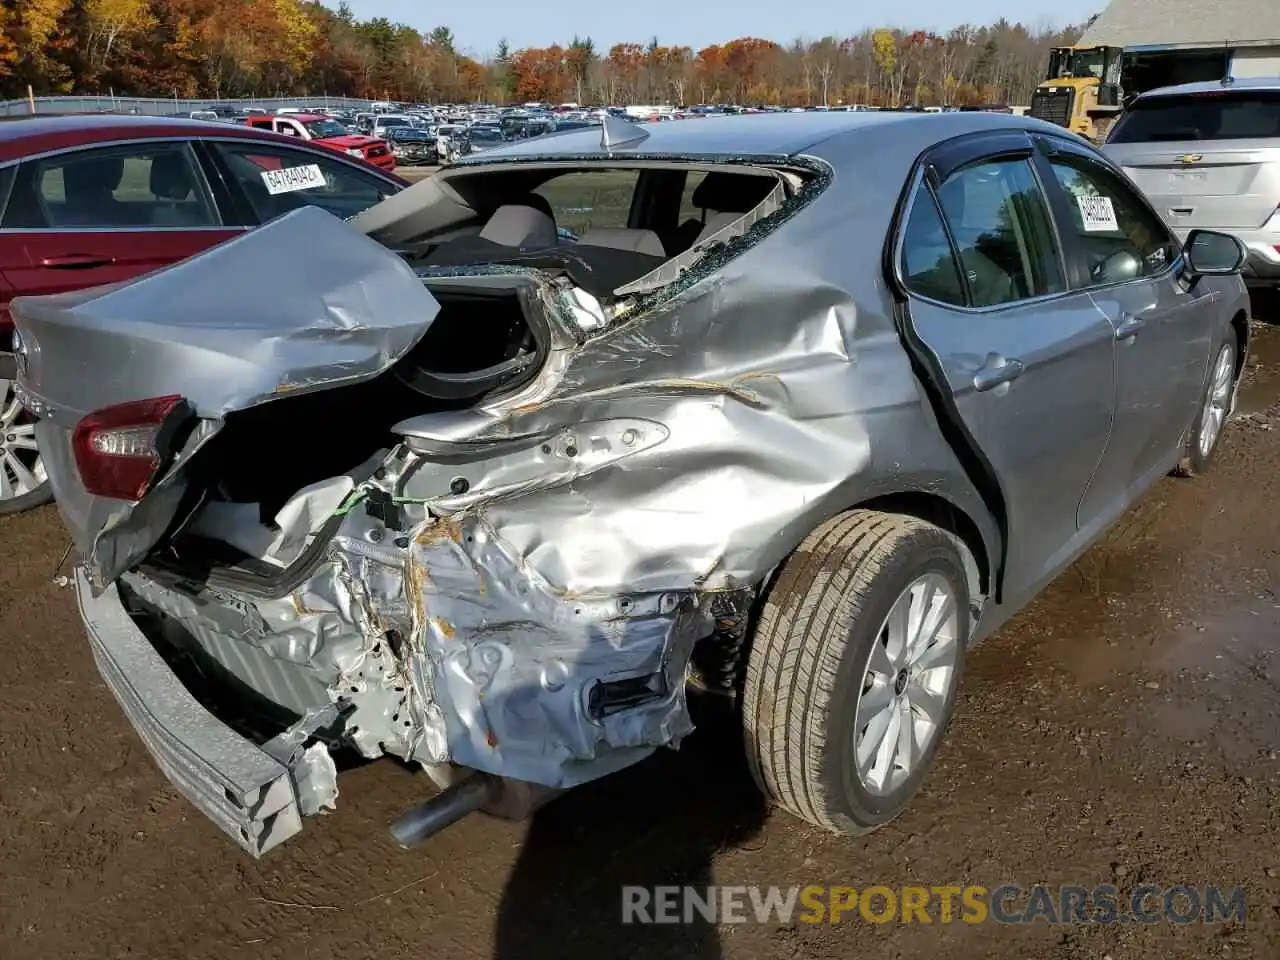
<point>111,22</point>
<point>578,60</point>
<point>234,48</point>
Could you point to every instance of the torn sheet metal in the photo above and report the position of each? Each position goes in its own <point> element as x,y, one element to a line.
<point>556,555</point>
<point>245,321</point>
<point>240,324</point>
<point>525,597</point>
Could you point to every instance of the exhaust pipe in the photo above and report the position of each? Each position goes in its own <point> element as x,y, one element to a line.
<point>445,809</point>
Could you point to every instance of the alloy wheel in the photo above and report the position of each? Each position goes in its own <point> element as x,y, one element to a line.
<point>1216,401</point>
<point>21,466</point>
<point>907,684</point>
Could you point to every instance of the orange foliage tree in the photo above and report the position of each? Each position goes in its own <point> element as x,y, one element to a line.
<point>237,48</point>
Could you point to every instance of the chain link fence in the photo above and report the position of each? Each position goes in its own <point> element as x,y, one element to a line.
<point>155,107</point>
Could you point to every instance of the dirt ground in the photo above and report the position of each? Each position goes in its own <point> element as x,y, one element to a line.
<point>1123,730</point>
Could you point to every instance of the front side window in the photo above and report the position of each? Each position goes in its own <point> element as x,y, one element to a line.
<point>143,185</point>
<point>1120,237</point>
<point>277,180</point>
<point>1003,237</point>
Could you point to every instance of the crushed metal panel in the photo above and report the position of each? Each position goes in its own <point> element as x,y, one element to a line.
<point>302,303</point>
<point>536,621</point>
<point>247,793</point>
<point>313,305</point>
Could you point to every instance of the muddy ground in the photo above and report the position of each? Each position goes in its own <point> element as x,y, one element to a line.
<point>1125,729</point>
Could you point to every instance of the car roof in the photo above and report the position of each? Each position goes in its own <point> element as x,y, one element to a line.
<point>1213,86</point>
<point>24,136</point>
<point>766,134</point>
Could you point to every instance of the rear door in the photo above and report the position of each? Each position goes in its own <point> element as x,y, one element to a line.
<point>87,217</point>
<point>1023,365</point>
<point>1204,159</point>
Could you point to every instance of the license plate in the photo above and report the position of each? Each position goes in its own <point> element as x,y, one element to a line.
<point>289,179</point>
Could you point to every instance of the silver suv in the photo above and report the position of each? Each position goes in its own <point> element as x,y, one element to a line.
<point>1207,155</point>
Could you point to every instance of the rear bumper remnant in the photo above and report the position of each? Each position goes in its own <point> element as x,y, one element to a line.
<point>251,795</point>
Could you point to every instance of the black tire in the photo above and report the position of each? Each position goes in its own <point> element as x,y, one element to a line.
<point>36,498</point>
<point>809,656</point>
<point>1195,461</point>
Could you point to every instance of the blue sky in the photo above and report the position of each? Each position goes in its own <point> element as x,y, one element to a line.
<point>478,25</point>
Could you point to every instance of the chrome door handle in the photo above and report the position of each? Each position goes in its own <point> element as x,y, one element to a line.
<point>1129,326</point>
<point>997,372</point>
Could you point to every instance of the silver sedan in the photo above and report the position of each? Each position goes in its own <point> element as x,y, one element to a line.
<point>793,408</point>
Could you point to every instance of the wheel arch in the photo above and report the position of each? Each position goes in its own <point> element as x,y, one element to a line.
<point>1240,325</point>
<point>946,515</point>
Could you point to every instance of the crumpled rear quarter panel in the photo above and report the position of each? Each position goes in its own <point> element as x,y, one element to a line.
<point>783,396</point>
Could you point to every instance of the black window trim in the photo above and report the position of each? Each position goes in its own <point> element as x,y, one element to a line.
<point>1050,147</point>
<point>8,174</point>
<point>16,168</point>
<point>943,161</point>
<point>928,185</point>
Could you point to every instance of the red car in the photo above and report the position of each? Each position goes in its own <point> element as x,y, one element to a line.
<point>327,132</point>
<point>97,199</point>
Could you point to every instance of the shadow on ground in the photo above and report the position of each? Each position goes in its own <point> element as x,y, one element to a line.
<point>564,897</point>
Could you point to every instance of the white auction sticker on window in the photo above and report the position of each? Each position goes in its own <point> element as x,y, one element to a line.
<point>289,179</point>
<point>1099,214</point>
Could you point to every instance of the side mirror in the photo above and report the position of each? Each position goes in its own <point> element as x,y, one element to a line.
<point>1212,254</point>
<point>1117,268</point>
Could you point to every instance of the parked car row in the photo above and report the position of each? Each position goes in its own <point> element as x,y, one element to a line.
<point>485,476</point>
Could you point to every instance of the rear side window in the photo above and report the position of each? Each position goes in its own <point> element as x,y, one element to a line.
<point>142,185</point>
<point>929,264</point>
<point>1003,237</point>
<point>1219,115</point>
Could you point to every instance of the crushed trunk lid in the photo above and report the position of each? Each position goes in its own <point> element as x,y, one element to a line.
<point>302,304</point>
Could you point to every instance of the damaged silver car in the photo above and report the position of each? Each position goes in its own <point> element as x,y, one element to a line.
<point>794,407</point>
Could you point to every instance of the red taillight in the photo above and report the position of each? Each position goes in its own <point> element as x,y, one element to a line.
<point>119,449</point>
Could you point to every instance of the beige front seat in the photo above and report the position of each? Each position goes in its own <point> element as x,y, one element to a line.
<point>520,225</point>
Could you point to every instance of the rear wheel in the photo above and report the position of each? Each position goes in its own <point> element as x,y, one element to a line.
<point>23,482</point>
<point>1214,408</point>
<point>854,667</point>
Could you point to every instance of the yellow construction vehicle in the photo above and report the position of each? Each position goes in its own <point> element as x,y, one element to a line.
<point>1081,91</point>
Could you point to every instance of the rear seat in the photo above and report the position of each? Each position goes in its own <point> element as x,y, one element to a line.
<point>618,238</point>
